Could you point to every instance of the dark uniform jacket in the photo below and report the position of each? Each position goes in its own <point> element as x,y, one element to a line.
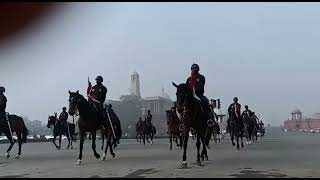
<point>199,87</point>
<point>3,104</point>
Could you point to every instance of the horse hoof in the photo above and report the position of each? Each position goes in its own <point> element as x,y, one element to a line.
<point>104,157</point>
<point>97,156</point>
<point>202,158</point>
<point>233,144</point>
<point>79,162</point>
<point>198,162</point>
<point>7,155</point>
<point>184,165</point>
<point>71,147</point>
<point>113,155</point>
<point>17,156</point>
<point>207,159</point>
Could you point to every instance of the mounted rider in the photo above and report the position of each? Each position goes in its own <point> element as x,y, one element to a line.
<point>247,112</point>
<point>139,123</point>
<point>234,108</point>
<point>3,103</point>
<point>196,82</point>
<point>63,117</point>
<point>97,95</point>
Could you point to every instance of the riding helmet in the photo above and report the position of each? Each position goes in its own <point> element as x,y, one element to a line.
<point>2,89</point>
<point>99,78</point>
<point>195,66</point>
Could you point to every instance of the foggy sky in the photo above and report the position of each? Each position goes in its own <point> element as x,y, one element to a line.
<point>266,54</point>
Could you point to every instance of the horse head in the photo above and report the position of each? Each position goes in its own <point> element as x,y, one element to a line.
<point>74,99</point>
<point>51,121</point>
<point>182,94</point>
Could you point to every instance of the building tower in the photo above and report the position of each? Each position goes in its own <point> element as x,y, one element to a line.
<point>135,84</point>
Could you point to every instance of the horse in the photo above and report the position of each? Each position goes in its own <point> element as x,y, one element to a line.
<point>140,132</point>
<point>149,131</point>
<point>174,128</point>
<point>236,129</point>
<point>59,129</point>
<point>249,127</point>
<point>216,134</point>
<point>116,127</point>
<point>89,122</point>
<point>13,123</point>
<point>192,115</point>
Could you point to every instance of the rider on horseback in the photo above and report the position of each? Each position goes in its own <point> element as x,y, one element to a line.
<point>63,117</point>
<point>196,82</point>
<point>149,118</point>
<point>97,96</point>
<point>246,112</point>
<point>235,108</point>
<point>3,102</point>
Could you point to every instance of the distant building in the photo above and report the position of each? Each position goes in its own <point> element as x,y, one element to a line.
<point>156,104</point>
<point>297,122</point>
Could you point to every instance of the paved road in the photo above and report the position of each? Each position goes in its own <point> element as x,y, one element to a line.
<point>280,154</point>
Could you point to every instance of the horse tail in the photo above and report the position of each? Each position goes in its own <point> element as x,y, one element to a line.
<point>24,132</point>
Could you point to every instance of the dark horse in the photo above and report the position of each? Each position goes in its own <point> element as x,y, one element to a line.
<point>17,125</point>
<point>140,132</point>
<point>192,116</point>
<point>236,129</point>
<point>59,130</point>
<point>249,127</point>
<point>174,128</point>
<point>149,131</point>
<point>116,127</point>
<point>144,131</point>
<point>88,122</point>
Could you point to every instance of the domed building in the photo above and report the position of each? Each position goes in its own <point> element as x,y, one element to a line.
<point>298,123</point>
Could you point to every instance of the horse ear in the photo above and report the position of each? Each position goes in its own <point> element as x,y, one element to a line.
<point>78,92</point>
<point>69,92</point>
<point>174,84</point>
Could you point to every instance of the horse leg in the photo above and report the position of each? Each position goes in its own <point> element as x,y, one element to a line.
<point>144,139</point>
<point>232,138</point>
<point>237,138</point>
<point>54,141</point>
<point>81,135</point>
<point>242,141</point>
<point>170,140</point>
<point>181,140</point>
<point>20,144</point>
<point>102,143</point>
<point>10,138</point>
<point>93,134</point>
<point>204,153</point>
<point>60,141</point>
<point>68,137</point>
<point>147,135</point>
<point>198,144</point>
<point>185,144</point>
<point>110,137</point>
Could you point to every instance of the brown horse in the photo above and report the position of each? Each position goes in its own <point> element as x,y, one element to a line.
<point>192,116</point>
<point>88,122</point>
<point>174,128</point>
<point>10,124</point>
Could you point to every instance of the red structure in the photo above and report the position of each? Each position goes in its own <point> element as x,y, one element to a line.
<point>297,123</point>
